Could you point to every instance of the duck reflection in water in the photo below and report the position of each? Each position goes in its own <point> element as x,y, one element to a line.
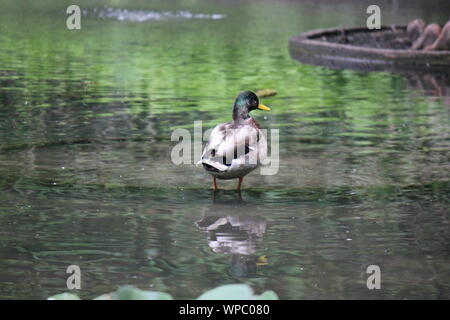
<point>234,228</point>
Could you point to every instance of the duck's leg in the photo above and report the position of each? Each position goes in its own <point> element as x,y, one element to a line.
<point>239,183</point>
<point>214,183</point>
<point>239,195</point>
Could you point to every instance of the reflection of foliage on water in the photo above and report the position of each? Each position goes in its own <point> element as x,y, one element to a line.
<point>318,240</point>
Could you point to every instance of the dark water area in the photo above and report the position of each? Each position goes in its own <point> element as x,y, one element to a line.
<point>86,176</point>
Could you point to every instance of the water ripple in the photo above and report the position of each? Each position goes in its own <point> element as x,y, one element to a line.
<point>141,15</point>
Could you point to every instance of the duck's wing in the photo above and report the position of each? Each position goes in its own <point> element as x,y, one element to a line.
<point>217,138</point>
<point>262,147</point>
<point>228,142</point>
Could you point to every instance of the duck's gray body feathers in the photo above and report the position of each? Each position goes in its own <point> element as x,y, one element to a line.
<point>234,149</point>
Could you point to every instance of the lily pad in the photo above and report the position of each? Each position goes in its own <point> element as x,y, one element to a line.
<point>132,293</point>
<point>226,292</point>
<point>64,296</point>
<point>236,292</point>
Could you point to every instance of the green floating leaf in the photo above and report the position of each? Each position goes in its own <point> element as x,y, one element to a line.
<point>64,296</point>
<point>132,293</point>
<point>226,292</point>
<point>268,295</point>
<point>236,292</point>
<point>107,296</point>
<point>266,93</point>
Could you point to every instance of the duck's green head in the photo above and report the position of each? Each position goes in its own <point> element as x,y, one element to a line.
<point>245,102</point>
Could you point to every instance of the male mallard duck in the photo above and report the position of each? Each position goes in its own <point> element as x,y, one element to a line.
<point>236,148</point>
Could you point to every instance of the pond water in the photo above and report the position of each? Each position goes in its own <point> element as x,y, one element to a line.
<point>86,176</point>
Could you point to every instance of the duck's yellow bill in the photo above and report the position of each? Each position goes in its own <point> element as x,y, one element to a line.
<point>263,107</point>
<point>262,261</point>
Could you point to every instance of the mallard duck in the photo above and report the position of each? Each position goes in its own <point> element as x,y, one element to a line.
<point>236,148</point>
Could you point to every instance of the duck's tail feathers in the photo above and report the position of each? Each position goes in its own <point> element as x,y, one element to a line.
<point>212,165</point>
